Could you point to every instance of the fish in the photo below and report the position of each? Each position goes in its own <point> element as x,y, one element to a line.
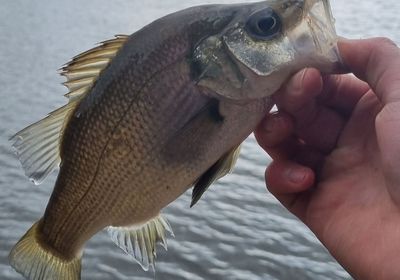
<point>154,113</point>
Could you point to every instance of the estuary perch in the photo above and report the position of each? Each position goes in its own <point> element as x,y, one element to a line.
<point>154,113</point>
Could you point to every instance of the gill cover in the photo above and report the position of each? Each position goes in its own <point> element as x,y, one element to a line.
<point>265,44</point>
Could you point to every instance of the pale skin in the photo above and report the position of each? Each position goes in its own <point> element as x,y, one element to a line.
<point>335,144</point>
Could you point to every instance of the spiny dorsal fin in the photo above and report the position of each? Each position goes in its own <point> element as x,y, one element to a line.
<point>222,167</point>
<point>140,241</point>
<point>84,69</point>
<point>37,145</point>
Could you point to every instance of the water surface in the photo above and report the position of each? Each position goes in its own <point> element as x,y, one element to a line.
<point>237,231</point>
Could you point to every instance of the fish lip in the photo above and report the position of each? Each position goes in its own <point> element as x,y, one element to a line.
<point>321,22</point>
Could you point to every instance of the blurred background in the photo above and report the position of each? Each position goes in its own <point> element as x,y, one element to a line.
<point>237,231</point>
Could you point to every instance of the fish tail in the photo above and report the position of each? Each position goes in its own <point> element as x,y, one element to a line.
<point>36,261</point>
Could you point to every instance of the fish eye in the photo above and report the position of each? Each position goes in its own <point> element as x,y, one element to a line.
<point>264,24</point>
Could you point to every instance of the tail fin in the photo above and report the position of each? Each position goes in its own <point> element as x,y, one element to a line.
<point>30,258</point>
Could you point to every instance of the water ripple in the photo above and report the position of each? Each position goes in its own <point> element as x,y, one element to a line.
<point>237,231</point>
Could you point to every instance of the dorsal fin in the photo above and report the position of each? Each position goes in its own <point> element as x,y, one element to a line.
<point>83,70</point>
<point>37,145</point>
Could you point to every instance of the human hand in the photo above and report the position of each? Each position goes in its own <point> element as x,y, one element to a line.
<point>335,145</point>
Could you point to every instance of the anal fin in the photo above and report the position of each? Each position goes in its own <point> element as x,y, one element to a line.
<point>140,241</point>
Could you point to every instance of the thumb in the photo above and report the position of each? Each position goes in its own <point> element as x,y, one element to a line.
<point>377,61</point>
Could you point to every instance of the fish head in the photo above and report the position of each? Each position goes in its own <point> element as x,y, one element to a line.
<point>264,44</point>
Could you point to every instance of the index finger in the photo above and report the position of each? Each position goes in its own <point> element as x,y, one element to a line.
<point>320,106</point>
<point>340,92</point>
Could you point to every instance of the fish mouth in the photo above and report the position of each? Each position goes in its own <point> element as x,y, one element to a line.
<point>322,24</point>
<point>317,35</point>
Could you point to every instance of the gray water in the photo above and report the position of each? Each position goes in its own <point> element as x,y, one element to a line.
<point>237,231</point>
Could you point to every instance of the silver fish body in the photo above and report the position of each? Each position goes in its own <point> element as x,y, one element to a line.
<point>154,113</point>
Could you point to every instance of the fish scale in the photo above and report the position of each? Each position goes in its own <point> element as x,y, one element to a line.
<point>75,179</point>
<point>146,114</point>
<point>154,113</point>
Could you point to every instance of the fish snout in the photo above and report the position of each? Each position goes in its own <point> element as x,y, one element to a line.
<point>316,39</point>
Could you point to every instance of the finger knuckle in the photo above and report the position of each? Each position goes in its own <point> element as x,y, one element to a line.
<point>389,113</point>
<point>383,64</point>
<point>385,42</point>
<point>380,49</point>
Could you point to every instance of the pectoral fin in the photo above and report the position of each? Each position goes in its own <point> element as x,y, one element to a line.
<point>139,241</point>
<point>222,167</point>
